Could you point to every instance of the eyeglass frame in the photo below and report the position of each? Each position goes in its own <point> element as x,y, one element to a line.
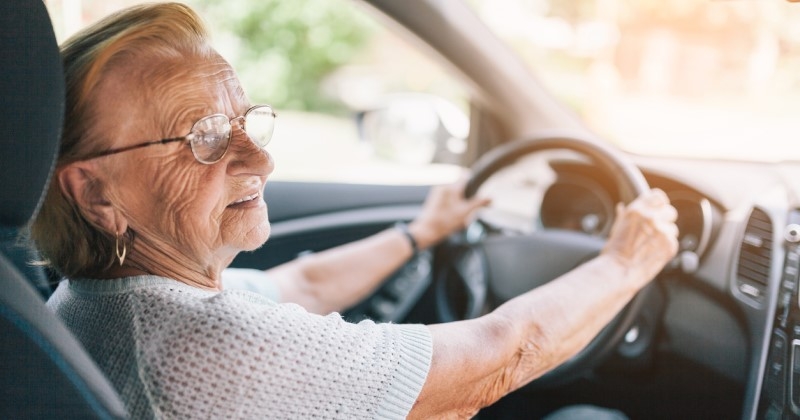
<point>187,137</point>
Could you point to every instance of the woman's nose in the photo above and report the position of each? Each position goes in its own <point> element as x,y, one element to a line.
<point>248,156</point>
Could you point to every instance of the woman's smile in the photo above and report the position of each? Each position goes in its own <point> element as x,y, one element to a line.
<point>251,200</point>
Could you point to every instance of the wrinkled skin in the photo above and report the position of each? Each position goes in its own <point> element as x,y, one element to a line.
<point>179,209</point>
<point>644,235</point>
<point>444,212</point>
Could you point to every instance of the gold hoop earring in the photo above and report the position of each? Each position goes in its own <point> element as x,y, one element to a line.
<point>120,255</point>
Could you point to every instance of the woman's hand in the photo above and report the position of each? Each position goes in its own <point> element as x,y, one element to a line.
<point>644,236</point>
<point>445,211</point>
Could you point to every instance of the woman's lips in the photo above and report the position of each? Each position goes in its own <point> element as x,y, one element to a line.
<point>245,200</point>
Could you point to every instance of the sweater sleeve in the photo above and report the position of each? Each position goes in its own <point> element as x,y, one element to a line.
<point>238,355</point>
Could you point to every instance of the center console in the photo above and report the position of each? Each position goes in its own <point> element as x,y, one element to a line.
<point>780,393</point>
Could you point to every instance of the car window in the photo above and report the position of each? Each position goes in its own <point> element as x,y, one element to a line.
<point>355,102</point>
<point>697,78</point>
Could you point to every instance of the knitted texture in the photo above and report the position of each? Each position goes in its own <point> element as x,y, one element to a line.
<point>175,351</point>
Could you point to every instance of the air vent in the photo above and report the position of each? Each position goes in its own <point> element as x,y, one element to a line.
<point>752,272</point>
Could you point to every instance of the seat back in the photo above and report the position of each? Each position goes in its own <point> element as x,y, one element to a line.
<point>44,371</point>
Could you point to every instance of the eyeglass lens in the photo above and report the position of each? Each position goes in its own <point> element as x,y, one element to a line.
<point>211,135</point>
<point>259,123</point>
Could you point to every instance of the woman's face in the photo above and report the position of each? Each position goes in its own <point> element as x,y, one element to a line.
<point>189,218</point>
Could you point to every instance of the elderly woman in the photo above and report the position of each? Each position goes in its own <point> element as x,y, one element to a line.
<point>159,185</point>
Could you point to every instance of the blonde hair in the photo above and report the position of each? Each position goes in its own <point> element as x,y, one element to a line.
<point>69,243</point>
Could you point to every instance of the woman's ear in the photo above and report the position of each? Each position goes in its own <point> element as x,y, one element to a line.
<point>82,186</point>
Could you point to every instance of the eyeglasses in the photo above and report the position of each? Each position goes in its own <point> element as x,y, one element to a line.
<point>210,136</point>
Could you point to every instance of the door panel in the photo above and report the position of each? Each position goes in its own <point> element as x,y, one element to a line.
<point>311,217</point>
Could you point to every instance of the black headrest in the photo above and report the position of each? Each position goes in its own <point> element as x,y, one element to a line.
<point>31,108</point>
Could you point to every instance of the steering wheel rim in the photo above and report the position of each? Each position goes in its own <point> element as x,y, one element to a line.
<point>631,183</point>
<point>624,171</point>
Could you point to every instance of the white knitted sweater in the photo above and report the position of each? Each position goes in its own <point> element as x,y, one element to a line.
<point>175,351</point>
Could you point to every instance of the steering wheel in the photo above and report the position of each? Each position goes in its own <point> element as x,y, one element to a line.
<point>500,267</point>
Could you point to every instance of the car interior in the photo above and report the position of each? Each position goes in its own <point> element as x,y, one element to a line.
<point>716,335</point>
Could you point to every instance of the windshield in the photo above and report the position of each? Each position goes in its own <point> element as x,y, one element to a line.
<point>690,78</point>
<point>686,78</point>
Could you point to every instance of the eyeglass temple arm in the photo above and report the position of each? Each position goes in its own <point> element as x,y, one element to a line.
<point>135,146</point>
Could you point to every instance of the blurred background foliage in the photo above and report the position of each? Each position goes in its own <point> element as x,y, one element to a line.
<point>283,50</point>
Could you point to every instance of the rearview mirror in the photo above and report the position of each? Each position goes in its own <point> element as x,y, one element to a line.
<point>415,129</point>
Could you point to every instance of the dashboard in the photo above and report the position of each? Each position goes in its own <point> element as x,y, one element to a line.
<point>581,200</point>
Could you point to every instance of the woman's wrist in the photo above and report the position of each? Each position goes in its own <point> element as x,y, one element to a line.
<point>627,273</point>
<point>403,228</point>
<point>424,233</point>
<point>419,234</point>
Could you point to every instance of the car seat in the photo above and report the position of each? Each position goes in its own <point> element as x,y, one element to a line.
<point>44,371</point>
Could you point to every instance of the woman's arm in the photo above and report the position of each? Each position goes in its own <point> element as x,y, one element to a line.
<point>335,279</point>
<point>478,361</point>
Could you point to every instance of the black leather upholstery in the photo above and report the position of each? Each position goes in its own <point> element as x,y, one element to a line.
<point>33,99</point>
<point>44,371</point>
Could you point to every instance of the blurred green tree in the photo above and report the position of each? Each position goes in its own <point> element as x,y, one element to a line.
<point>284,49</point>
